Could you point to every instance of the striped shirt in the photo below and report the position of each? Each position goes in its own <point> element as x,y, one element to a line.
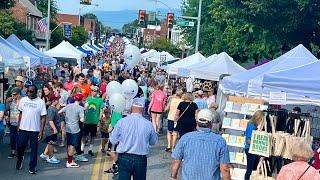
<point>133,134</point>
<point>202,151</point>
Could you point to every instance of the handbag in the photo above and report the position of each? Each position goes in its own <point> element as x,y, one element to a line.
<point>261,141</point>
<point>262,171</point>
<point>183,112</point>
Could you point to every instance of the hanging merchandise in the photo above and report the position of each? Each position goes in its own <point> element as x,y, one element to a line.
<point>262,171</point>
<point>261,141</point>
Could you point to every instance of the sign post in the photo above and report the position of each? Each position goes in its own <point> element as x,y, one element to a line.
<point>185,23</point>
<point>67,30</point>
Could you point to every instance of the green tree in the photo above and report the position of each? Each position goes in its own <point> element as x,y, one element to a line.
<point>6,23</point>
<point>56,37</point>
<point>163,44</point>
<point>79,36</point>
<point>90,16</point>
<point>22,33</point>
<point>130,27</point>
<point>6,4</point>
<point>42,5</point>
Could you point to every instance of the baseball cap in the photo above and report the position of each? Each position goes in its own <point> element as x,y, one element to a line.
<point>204,116</point>
<point>78,96</point>
<point>16,91</point>
<point>138,102</point>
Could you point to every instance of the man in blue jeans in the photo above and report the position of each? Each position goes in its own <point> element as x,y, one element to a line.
<point>133,134</point>
<point>31,124</point>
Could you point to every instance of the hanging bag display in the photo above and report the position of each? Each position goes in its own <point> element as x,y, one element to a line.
<point>262,171</point>
<point>261,141</point>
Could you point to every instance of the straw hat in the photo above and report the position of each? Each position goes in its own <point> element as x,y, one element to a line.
<point>19,78</point>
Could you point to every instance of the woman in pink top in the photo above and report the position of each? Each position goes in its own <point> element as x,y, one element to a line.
<point>69,84</point>
<point>299,169</point>
<point>158,100</point>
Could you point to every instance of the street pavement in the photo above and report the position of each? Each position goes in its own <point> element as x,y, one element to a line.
<point>158,165</point>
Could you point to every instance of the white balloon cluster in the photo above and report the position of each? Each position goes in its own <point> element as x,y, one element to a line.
<point>119,93</point>
<point>132,55</point>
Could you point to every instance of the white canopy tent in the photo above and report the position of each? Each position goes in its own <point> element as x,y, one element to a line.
<point>183,63</point>
<point>300,84</point>
<point>64,50</point>
<point>215,66</point>
<point>148,54</point>
<point>249,83</point>
<point>86,47</point>
<point>156,56</point>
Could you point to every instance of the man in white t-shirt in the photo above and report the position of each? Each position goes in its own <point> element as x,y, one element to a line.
<point>31,125</point>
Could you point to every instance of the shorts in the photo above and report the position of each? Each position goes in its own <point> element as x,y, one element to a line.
<point>112,147</point>
<point>156,112</point>
<point>171,127</point>
<point>73,139</point>
<point>104,135</point>
<point>52,139</point>
<point>90,129</point>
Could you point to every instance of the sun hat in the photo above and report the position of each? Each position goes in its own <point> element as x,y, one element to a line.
<point>19,78</point>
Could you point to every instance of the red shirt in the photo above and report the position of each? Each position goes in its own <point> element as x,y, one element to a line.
<point>68,86</point>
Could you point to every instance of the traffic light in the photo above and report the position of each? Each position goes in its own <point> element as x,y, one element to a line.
<point>85,2</point>
<point>170,19</point>
<point>142,14</point>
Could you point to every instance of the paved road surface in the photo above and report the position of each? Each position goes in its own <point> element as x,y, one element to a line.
<point>158,165</point>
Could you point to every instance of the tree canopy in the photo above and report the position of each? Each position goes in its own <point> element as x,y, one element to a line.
<point>255,29</point>
<point>163,44</point>
<point>79,36</point>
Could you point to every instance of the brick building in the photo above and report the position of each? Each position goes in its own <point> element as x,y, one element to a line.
<point>26,12</point>
<point>153,32</point>
<point>90,25</point>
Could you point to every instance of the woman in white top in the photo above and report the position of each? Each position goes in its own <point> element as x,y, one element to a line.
<point>171,108</point>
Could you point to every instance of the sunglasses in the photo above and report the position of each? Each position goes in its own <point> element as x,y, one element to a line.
<point>94,90</point>
<point>30,91</point>
<point>14,94</point>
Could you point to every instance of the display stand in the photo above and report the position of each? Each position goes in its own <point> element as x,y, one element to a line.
<point>234,125</point>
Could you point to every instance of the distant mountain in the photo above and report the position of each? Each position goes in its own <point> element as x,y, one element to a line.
<point>116,19</point>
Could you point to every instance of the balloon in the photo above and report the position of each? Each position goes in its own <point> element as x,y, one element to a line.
<point>132,55</point>
<point>117,102</point>
<point>129,88</point>
<point>113,87</point>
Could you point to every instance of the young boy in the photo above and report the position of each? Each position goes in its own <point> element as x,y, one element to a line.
<point>74,114</point>
<point>51,132</point>
<point>105,124</point>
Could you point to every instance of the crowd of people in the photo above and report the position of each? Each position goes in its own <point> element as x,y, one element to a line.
<point>69,108</point>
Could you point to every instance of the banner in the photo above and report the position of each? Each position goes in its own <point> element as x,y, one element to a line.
<point>260,143</point>
<point>67,30</point>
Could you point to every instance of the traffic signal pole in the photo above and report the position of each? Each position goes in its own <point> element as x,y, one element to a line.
<point>198,26</point>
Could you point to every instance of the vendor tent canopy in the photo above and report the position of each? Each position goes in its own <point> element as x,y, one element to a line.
<point>155,57</point>
<point>149,54</point>
<point>215,66</point>
<point>89,53</point>
<point>183,63</point>
<point>64,50</point>
<point>75,49</point>
<point>301,84</point>
<point>34,60</point>
<point>10,57</point>
<point>86,47</point>
<point>93,47</point>
<point>44,59</point>
<point>250,82</point>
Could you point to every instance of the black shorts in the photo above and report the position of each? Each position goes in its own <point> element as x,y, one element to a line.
<point>52,139</point>
<point>171,127</point>
<point>156,112</point>
<point>104,135</point>
<point>90,129</point>
<point>73,139</point>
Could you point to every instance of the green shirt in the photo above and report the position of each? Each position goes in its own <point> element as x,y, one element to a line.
<point>92,114</point>
<point>115,117</point>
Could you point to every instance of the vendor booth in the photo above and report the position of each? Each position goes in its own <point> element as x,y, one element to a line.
<point>188,61</point>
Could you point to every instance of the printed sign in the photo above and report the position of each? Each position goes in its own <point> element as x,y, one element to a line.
<point>278,98</point>
<point>67,30</point>
<point>260,144</point>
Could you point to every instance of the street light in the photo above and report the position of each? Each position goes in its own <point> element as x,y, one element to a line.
<point>157,1</point>
<point>79,20</point>
<point>198,26</point>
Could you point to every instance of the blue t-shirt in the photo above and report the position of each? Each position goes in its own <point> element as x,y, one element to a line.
<point>2,108</point>
<point>250,127</point>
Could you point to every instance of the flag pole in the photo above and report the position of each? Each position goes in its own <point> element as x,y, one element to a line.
<point>48,26</point>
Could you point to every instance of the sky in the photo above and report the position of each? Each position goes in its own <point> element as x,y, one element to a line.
<point>72,6</point>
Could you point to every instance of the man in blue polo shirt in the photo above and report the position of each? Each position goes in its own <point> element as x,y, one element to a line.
<point>204,153</point>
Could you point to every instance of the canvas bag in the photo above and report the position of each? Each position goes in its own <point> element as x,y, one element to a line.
<point>261,143</point>
<point>278,138</point>
<point>261,172</point>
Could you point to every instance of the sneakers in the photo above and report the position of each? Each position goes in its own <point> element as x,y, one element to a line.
<point>80,158</point>
<point>53,160</point>
<point>72,165</point>
<point>90,153</point>
<point>12,155</point>
<point>44,157</point>
<point>103,151</point>
<point>32,171</point>
<point>19,163</point>
<point>113,170</point>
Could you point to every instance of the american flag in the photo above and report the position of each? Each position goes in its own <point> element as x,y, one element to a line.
<point>42,23</point>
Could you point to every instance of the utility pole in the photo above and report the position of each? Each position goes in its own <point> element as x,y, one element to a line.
<point>48,26</point>
<point>198,26</point>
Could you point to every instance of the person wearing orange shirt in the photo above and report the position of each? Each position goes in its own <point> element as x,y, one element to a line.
<point>85,88</point>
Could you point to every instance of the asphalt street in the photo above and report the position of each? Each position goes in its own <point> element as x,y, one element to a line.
<point>158,165</point>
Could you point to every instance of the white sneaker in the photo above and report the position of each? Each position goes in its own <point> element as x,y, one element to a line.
<point>53,160</point>
<point>72,165</point>
<point>44,157</point>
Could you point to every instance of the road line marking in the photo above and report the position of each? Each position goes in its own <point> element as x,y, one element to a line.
<point>96,167</point>
<point>106,165</point>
